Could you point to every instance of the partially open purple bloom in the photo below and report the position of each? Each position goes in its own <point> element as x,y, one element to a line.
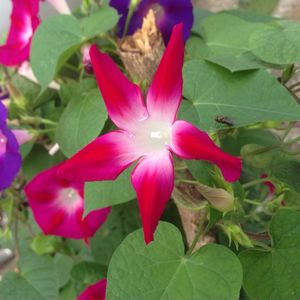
<point>167,13</point>
<point>10,157</point>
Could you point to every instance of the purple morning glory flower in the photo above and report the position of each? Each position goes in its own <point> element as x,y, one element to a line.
<point>10,157</point>
<point>167,12</point>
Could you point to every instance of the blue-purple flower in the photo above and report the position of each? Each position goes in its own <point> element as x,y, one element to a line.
<point>167,14</point>
<point>10,157</point>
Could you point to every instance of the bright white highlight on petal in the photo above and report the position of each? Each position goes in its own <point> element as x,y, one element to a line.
<point>3,143</point>
<point>27,34</point>
<point>151,136</point>
<point>69,198</point>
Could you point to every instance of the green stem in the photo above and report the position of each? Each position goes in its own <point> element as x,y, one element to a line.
<point>188,181</point>
<point>272,147</point>
<point>37,120</point>
<point>201,231</point>
<point>130,13</point>
<point>16,238</point>
<point>262,245</point>
<point>292,153</point>
<point>255,182</point>
<point>293,141</point>
<point>289,128</point>
<point>71,67</point>
<point>252,202</point>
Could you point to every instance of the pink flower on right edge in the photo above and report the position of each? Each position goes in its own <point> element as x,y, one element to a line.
<point>148,133</point>
<point>95,291</point>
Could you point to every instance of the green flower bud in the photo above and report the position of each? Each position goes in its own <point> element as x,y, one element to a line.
<point>236,234</point>
<point>220,199</point>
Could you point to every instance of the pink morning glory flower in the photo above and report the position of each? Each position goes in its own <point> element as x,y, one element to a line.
<point>95,291</point>
<point>167,14</point>
<point>24,22</point>
<point>57,205</point>
<point>148,133</point>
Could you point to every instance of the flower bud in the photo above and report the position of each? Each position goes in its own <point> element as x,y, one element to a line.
<point>22,135</point>
<point>236,234</point>
<point>86,59</point>
<point>220,199</point>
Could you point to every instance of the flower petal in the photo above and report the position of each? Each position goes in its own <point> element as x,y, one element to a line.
<point>168,13</point>
<point>95,291</point>
<point>122,6</point>
<point>10,160</point>
<point>123,99</point>
<point>190,143</point>
<point>165,93</point>
<point>103,159</point>
<point>153,180</point>
<point>58,204</point>
<point>24,21</point>
<point>10,157</point>
<point>22,135</point>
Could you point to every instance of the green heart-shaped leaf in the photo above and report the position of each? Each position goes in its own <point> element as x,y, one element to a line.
<point>161,270</point>
<point>215,92</point>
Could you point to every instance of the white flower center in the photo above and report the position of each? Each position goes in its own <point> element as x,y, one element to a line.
<point>69,198</point>
<point>3,143</point>
<point>151,136</point>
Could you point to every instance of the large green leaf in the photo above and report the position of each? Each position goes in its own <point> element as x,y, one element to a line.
<point>15,287</point>
<point>53,43</point>
<point>274,274</point>
<point>63,265</point>
<point>287,171</point>
<point>37,279</point>
<point>228,45</point>
<point>199,16</point>
<point>161,270</point>
<point>58,37</point>
<point>81,122</point>
<point>122,220</point>
<point>39,160</point>
<point>108,193</point>
<point>88,272</point>
<point>74,90</point>
<point>195,48</point>
<point>98,22</point>
<point>277,42</point>
<point>244,97</point>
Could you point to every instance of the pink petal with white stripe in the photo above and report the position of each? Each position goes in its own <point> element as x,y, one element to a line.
<point>103,159</point>
<point>24,21</point>
<point>95,291</point>
<point>123,99</point>
<point>57,205</point>
<point>189,142</point>
<point>153,180</point>
<point>165,93</point>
